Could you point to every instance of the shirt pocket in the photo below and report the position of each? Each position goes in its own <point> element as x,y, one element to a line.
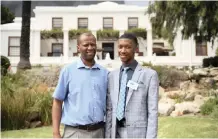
<point>73,96</point>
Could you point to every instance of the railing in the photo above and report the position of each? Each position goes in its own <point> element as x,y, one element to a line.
<point>156,60</point>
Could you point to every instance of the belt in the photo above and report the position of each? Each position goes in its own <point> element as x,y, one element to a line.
<point>90,127</point>
<point>121,123</point>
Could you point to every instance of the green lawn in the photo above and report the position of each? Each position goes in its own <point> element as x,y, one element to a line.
<point>169,127</point>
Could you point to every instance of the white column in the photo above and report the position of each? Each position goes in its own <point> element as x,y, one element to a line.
<point>178,43</point>
<point>121,32</point>
<point>211,50</point>
<point>149,43</point>
<point>191,47</point>
<point>31,46</point>
<point>66,44</point>
<point>94,32</point>
<point>36,46</point>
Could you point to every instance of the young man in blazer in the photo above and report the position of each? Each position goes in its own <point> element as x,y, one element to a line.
<point>132,98</point>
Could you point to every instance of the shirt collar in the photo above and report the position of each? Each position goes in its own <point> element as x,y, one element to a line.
<point>80,64</point>
<point>132,65</point>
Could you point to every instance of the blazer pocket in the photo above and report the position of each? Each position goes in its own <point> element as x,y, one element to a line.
<point>142,86</point>
<point>140,124</point>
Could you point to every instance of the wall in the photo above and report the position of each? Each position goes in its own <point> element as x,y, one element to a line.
<point>95,20</point>
<point>46,45</point>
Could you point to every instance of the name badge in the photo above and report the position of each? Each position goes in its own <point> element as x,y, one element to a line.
<point>133,85</point>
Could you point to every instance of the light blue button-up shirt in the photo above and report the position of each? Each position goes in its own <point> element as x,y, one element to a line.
<point>83,91</point>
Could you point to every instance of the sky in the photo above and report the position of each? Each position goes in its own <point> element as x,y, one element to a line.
<point>16,5</point>
<point>139,3</point>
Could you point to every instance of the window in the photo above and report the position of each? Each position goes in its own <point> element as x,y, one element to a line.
<point>132,22</point>
<point>83,23</point>
<point>201,48</point>
<point>57,23</point>
<point>14,46</point>
<point>57,49</point>
<point>108,23</point>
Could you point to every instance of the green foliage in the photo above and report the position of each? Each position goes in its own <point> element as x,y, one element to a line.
<point>74,33</point>
<point>139,32</point>
<point>5,64</point>
<point>168,76</point>
<point>54,33</point>
<point>208,107</point>
<point>210,61</point>
<point>173,54</point>
<point>107,33</point>
<point>214,114</point>
<point>19,100</point>
<point>198,18</point>
<point>6,15</point>
<point>147,64</point>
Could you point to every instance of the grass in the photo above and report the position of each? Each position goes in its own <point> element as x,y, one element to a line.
<point>188,127</point>
<point>169,127</point>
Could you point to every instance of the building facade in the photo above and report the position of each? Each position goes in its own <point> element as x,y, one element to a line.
<point>102,16</point>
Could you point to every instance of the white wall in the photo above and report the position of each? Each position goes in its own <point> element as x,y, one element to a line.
<point>43,20</point>
<point>95,20</point>
<point>46,45</point>
<point>72,47</point>
<point>5,40</point>
<point>142,46</point>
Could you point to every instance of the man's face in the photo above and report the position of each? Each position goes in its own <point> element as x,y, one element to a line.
<point>87,47</point>
<point>126,50</point>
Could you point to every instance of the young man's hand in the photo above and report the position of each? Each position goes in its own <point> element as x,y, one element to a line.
<point>57,136</point>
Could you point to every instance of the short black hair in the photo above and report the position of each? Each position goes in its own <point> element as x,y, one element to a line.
<point>130,36</point>
<point>86,34</point>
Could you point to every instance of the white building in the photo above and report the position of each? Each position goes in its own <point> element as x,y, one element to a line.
<point>105,15</point>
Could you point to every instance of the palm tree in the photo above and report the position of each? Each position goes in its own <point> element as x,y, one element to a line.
<point>24,62</point>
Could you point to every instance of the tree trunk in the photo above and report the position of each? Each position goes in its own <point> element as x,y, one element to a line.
<point>24,62</point>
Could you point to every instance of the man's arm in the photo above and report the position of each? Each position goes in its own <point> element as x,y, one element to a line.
<point>108,112</point>
<point>152,100</point>
<point>58,98</point>
<point>56,117</point>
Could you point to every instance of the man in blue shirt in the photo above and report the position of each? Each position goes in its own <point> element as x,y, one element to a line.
<point>82,88</point>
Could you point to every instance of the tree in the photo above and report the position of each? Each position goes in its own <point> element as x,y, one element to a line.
<point>197,18</point>
<point>6,15</point>
<point>24,62</point>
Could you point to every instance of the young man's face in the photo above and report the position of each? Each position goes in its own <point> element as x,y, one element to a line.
<point>87,47</point>
<point>126,50</point>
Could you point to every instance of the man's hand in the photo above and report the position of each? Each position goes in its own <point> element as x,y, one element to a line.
<point>57,136</point>
<point>56,117</point>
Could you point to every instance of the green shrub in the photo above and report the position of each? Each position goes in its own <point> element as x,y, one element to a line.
<point>139,32</point>
<point>5,64</point>
<point>145,64</point>
<point>54,33</point>
<point>19,100</point>
<point>210,61</point>
<point>107,33</point>
<point>208,107</point>
<point>168,76</point>
<point>43,105</point>
<point>214,114</point>
<point>74,33</point>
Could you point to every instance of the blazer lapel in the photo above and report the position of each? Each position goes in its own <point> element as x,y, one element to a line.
<point>116,85</point>
<point>135,78</point>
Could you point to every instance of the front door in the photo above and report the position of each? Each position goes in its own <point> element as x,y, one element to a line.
<point>108,48</point>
